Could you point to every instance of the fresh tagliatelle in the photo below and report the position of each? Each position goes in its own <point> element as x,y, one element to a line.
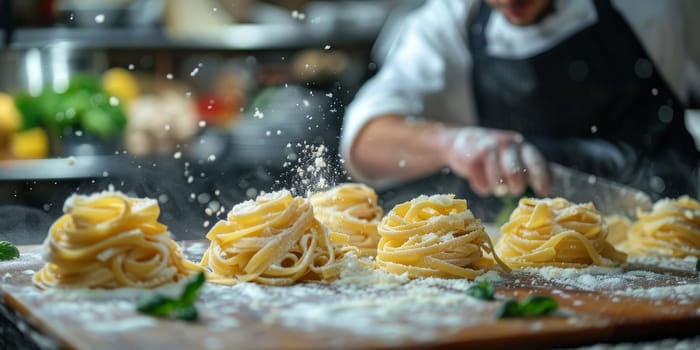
<point>618,227</point>
<point>435,236</point>
<point>108,240</point>
<point>351,209</point>
<point>671,229</point>
<point>556,232</point>
<point>274,239</point>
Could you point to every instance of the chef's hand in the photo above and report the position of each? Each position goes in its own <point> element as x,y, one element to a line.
<point>495,161</point>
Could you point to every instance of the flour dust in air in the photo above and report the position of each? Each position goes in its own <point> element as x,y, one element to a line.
<point>310,169</point>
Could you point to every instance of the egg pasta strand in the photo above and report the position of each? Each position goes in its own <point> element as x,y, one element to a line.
<point>671,229</point>
<point>434,236</point>
<point>555,232</point>
<point>275,240</point>
<point>350,209</point>
<point>109,240</point>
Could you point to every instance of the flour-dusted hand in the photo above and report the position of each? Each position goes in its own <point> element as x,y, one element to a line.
<point>495,161</point>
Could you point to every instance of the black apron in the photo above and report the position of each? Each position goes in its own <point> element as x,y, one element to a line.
<point>595,101</point>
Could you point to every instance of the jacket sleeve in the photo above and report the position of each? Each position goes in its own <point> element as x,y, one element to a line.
<point>425,64</point>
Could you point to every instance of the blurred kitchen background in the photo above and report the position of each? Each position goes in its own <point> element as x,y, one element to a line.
<point>199,104</point>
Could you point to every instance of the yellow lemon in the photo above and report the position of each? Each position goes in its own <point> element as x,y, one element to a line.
<point>120,83</point>
<point>10,118</point>
<point>30,144</point>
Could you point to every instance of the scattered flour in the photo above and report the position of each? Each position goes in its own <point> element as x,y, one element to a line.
<point>686,264</point>
<point>684,293</point>
<point>588,278</point>
<point>126,325</point>
<point>364,301</point>
<point>355,272</point>
<point>617,280</point>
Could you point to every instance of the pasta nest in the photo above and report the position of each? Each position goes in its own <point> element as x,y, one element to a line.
<point>556,232</point>
<point>350,209</point>
<point>273,239</point>
<point>434,236</point>
<point>671,229</point>
<point>108,240</point>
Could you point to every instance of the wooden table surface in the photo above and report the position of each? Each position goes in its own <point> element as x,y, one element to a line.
<point>647,299</point>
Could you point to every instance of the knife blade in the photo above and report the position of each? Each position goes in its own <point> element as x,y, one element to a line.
<point>608,196</point>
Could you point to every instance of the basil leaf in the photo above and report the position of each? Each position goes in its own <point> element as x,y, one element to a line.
<point>189,295</point>
<point>158,305</point>
<point>537,305</point>
<point>182,308</point>
<point>186,313</point>
<point>534,305</point>
<point>510,308</point>
<point>483,291</point>
<point>8,251</point>
<point>508,205</point>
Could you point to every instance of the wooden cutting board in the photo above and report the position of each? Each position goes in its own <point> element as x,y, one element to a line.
<point>648,299</point>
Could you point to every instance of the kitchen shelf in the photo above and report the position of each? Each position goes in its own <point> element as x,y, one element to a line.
<point>334,23</point>
<point>234,37</point>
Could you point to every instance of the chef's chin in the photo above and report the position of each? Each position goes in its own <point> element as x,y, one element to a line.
<point>522,12</point>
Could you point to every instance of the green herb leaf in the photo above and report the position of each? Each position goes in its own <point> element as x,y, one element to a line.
<point>510,308</point>
<point>186,313</point>
<point>8,251</point>
<point>183,308</point>
<point>189,294</point>
<point>509,204</point>
<point>534,305</point>
<point>483,291</point>
<point>158,305</point>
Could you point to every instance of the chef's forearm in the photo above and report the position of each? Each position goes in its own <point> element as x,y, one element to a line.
<point>394,147</point>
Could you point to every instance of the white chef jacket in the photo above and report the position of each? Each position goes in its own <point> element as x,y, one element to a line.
<point>427,71</point>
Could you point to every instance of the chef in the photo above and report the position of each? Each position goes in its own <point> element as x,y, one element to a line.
<point>494,90</point>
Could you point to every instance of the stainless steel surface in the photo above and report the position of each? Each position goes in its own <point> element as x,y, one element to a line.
<point>78,167</point>
<point>608,196</point>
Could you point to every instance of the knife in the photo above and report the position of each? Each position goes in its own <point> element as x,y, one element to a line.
<point>608,196</point>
